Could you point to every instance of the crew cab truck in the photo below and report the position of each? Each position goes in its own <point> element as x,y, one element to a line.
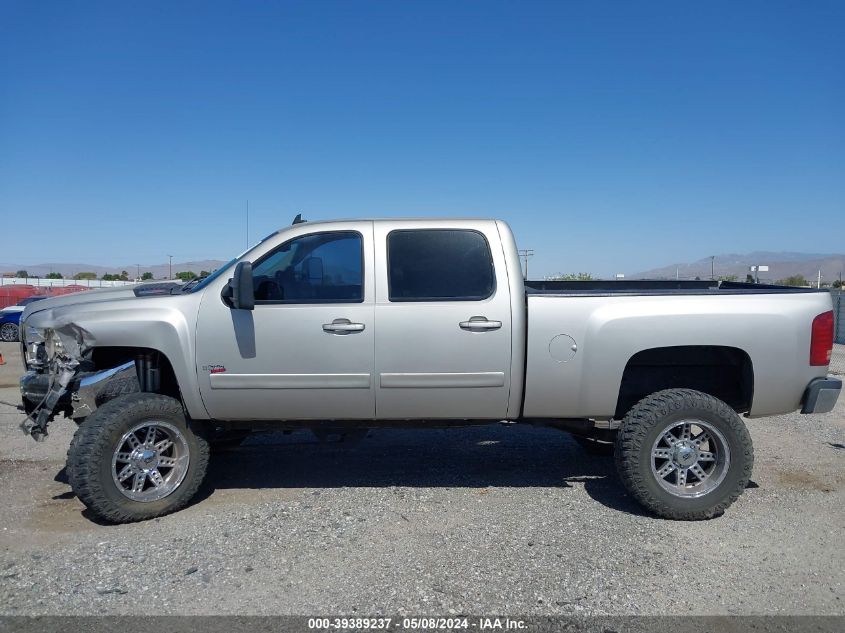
<point>344,325</point>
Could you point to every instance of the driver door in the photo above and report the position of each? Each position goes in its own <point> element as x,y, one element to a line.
<point>307,349</point>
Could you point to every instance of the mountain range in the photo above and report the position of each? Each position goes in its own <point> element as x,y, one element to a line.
<point>781,265</point>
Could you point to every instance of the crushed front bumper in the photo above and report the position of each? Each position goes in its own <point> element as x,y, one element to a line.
<point>821,395</point>
<point>44,395</point>
<point>34,389</point>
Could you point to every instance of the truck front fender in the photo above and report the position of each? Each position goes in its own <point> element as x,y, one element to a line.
<point>162,324</point>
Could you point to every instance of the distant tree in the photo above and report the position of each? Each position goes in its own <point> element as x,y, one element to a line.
<point>186,275</point>
<point>571,277</point>
<point>111,277</point>
<point>749,278</point>
<point>124,275</point>
<point>53,276</point>
<point>204,273</point>
<point>85,275</point>
<point>697,278</point>
<point>794,280</point>
<point>838,284</point>
<point>726,278</point>
<point>22,273</point>
<point>145,276</point>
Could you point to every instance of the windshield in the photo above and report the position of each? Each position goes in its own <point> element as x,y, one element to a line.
<point>207,280</point>
<point>211,277</point>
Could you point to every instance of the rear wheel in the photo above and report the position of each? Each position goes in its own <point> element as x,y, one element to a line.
<point>684,454</point>
<point>135,458</point>
<point>8,332</point>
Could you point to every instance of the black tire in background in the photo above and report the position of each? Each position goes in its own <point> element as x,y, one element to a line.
<point>91,458</point>
<point>9,332</point>
<point>637,445</point>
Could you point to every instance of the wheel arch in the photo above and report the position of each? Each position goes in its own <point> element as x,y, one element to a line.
<point>157,372</point>
<point>723,372</point>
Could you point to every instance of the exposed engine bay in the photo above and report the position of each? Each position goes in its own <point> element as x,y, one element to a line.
<point>63,378</point>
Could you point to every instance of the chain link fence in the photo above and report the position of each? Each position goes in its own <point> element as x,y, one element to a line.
<point>837,360</point>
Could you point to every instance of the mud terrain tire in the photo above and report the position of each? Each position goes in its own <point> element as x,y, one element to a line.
<point>94,463</point>
<point>640,441</point>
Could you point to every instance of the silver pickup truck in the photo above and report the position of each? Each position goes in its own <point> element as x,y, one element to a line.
<point>344,325</point>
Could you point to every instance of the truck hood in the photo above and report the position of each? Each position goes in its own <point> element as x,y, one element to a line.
<point>113,317</point>
<point>137,292</point>
<point>78,298</point>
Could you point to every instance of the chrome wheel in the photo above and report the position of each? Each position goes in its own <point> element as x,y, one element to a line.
<point>150,461</point>
<point>690,458</point>
<point>8,332</point>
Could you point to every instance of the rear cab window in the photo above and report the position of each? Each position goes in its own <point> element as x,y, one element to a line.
<point>439,265</point>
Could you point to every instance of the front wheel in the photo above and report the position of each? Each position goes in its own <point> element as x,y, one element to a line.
<point>135,458</point>
<point>684,454</point>
<point>8,332</point>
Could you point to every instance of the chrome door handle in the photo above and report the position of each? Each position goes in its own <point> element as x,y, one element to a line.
<point>342,326</point>
<point>480,323</point>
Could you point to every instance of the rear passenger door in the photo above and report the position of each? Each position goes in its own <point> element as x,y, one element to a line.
<point>443,321</point>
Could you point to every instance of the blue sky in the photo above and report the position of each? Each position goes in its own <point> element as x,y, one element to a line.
<point>613,136</point>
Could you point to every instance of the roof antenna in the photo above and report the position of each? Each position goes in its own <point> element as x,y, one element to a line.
<point>298,219</point>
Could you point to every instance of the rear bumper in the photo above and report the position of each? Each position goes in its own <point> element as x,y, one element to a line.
<point>821,395</point>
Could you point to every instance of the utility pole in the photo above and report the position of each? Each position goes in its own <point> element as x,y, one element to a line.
<point>138,275</point>
<point>526,254</point>
<point>712,267</point>
<point>818,287</point>
<point>170,276</point>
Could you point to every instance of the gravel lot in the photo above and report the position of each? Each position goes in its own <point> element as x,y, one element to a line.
<point>490,519</point>
<point>837,360</point>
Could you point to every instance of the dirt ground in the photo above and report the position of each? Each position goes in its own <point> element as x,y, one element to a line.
<point>504,519</point>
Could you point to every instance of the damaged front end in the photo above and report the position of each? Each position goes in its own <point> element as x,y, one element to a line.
<point>62,377</point>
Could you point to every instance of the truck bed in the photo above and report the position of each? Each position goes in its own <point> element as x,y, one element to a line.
<point>656,287</point>
<point>581,336</point>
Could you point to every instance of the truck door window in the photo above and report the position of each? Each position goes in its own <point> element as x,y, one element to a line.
<point>315,268</point>
<point>439,265</point>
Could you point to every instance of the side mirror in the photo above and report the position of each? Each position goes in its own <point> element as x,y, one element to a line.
<point>240,288</point>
